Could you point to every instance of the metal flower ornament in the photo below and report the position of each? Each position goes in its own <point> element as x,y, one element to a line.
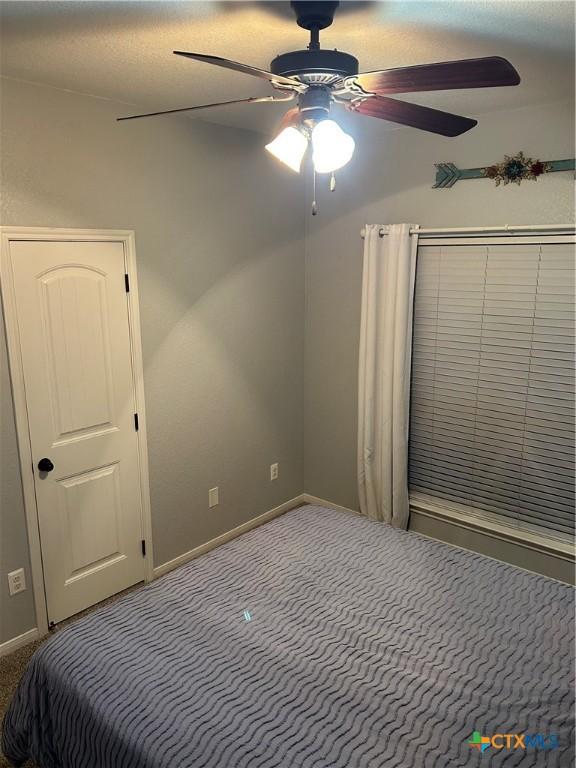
<point>513,169</point>
<point>516,169</point>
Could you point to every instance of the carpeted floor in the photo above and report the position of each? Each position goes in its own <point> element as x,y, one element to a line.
<point>13,666</point>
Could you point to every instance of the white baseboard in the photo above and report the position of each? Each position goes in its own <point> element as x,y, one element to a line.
<point>316,500</point>
<point>18,642</point>
<point>160,570</point>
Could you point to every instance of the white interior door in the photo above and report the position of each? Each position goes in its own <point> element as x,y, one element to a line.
<point>72,315</point>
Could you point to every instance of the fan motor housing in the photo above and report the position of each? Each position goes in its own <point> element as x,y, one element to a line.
<point>314,104</point>
<point>315,66</point>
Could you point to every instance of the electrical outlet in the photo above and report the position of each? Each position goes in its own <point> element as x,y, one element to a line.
<point>16,581</point>
<point>213,499</point>
<point>274,471</point>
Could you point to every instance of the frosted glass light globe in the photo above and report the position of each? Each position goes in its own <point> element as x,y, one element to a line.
<point>332,148</point>
<point>289,147</point>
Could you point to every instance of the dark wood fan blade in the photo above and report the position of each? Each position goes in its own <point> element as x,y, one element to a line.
<point>488,72</point>
<point>253,100</point>
<point>290,119</point>
<point>237,67</point>
<point>424,118</point>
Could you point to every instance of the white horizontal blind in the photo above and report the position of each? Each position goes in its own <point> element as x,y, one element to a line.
<point>492,411</point>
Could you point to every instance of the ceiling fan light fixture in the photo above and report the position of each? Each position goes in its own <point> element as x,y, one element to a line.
<point>332,147</point>
<point>320,77</point>
<point>289,147</point>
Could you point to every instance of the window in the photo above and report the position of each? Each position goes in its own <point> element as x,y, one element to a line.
<point>492,406</point>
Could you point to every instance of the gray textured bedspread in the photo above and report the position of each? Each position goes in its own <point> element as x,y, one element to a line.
<point>318,640</point>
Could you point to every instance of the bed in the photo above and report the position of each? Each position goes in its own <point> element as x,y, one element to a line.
<point>320,639</point>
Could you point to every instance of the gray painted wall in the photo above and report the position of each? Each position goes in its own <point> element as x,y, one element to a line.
<point>16,613</point>
<point>219,239</point>
<point>523,557</point>
<point>390,180</point>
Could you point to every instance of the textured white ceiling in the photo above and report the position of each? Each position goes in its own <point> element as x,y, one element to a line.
<point>123,50</point>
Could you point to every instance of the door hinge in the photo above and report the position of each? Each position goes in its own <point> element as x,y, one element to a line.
<point>143,547</point>
<point>136,422</point>
<point>127,283</point>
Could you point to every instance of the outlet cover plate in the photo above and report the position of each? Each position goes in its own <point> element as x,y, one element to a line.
<point>16,581</point>
<point>213,497</point>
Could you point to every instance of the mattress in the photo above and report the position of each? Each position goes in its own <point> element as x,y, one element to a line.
<point>319,639</point>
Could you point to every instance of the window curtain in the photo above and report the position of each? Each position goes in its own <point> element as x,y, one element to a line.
<point>384,372</point>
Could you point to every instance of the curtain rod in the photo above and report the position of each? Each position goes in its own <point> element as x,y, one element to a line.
<point>505,230</point>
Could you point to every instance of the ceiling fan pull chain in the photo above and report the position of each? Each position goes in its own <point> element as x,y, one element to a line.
<point>332,182</point>
<point>314,205</point>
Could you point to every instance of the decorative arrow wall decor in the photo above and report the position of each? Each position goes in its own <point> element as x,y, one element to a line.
<point>513,169</point>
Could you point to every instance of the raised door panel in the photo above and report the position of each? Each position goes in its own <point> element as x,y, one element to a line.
<point>91,520</point>
<point>77,346</point>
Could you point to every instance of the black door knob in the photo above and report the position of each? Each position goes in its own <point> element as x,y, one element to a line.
<point>45,465</point>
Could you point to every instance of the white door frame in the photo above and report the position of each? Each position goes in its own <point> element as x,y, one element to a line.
<point>126,237</point>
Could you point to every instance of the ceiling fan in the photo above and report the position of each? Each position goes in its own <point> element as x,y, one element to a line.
<point>320,77</point>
